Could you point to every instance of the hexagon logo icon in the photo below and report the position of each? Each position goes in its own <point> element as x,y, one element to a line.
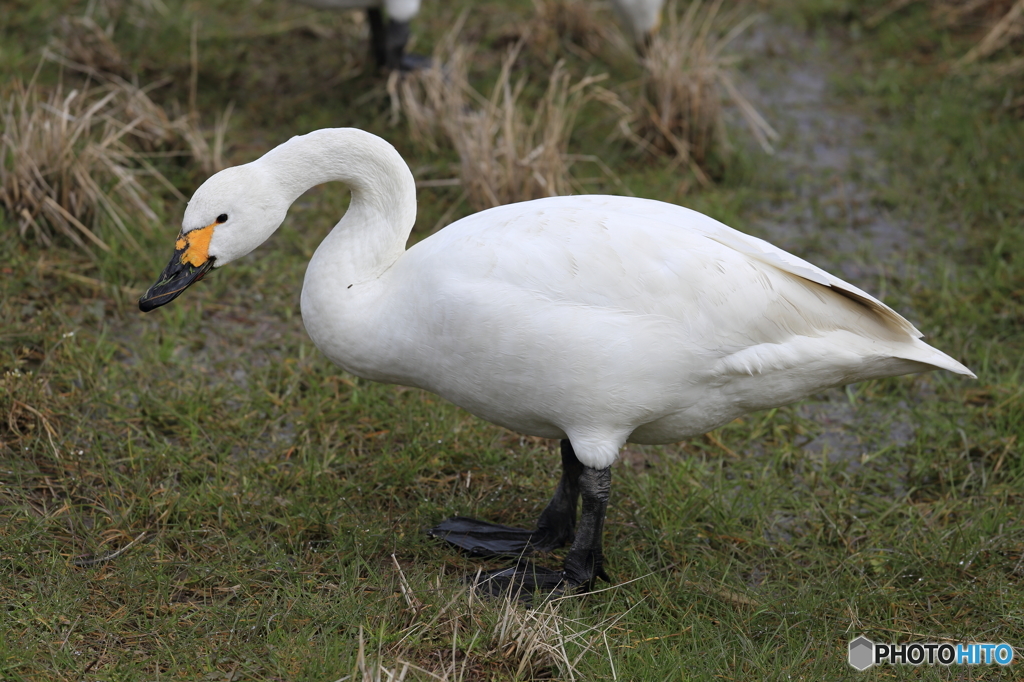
<point>862,653</point>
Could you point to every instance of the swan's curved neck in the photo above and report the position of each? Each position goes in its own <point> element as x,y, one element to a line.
<point>372,234</point>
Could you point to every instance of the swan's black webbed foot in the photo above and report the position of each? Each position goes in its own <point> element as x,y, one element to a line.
<point>555,527</point>
<point>388,41</point>
<point>481,538</point>
<point>410,61</point>
<point>522,582</point>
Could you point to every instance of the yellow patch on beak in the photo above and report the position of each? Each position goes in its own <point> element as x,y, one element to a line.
<point>198,243</point>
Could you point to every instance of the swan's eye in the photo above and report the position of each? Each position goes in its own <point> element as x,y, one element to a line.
<point>222,218</point>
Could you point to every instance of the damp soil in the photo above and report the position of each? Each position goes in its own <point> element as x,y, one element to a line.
<point>826,156</point>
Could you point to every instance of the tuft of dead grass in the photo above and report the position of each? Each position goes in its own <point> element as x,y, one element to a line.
<point>72,158</point>
<point>65,160</point>
<point>519,641</point>
<point>82,40</point>
<point>538,638</point>
<point>571,22</point>
<point>686,73</point>
<point>426,97</point>
<point>1005,28</point>
<point>509,150</point>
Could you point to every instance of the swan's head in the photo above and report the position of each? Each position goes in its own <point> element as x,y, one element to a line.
<point>230,214</point>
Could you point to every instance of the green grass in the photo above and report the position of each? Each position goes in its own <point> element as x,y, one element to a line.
<point>271,491</point>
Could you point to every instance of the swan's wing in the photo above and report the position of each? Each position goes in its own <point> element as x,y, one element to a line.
<point>765,252</point>
<point>725,292</point>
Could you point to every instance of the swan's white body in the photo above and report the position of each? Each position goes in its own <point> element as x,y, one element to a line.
<point>598,318</point>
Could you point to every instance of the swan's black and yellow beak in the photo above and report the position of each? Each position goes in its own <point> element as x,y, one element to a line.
<point>191,260</point>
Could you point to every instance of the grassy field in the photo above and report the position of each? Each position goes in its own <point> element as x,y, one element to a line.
<point>197,494</point>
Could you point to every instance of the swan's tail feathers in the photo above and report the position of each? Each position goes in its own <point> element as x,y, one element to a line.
<point>936,359</point>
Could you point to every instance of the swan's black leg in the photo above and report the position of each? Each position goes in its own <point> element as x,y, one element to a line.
<point>557,523</point>
<point>378,36</point>
<point>388,41</point>
<point>555,527</point>
<point>585,561</point>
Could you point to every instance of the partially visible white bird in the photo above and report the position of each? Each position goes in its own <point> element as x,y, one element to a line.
<point>388,38</point>
<point>598,320</point>
<point>641,18</point>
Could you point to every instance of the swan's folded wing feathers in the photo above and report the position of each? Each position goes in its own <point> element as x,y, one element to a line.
<point>648,258</point>
<point>725,291</point>
<point>766,252</point>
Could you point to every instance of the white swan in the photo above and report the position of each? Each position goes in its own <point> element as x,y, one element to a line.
<point>594,319</point>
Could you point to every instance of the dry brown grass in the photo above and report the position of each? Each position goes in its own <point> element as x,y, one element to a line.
<point>568,22</point>
<point>83,41</point>
<point>513,152</point>
<point>72,158</point>
<point>84,47</point>
<point>1001,23</point>
<point>510,150</point>
<point>1004,30</point>
<point>525,643</point>
<point>425,98</point>
<point>687,76</point>
<point>65,162</point>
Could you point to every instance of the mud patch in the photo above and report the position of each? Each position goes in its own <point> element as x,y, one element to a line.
<point>849,433</point>
<point>825,169</point>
